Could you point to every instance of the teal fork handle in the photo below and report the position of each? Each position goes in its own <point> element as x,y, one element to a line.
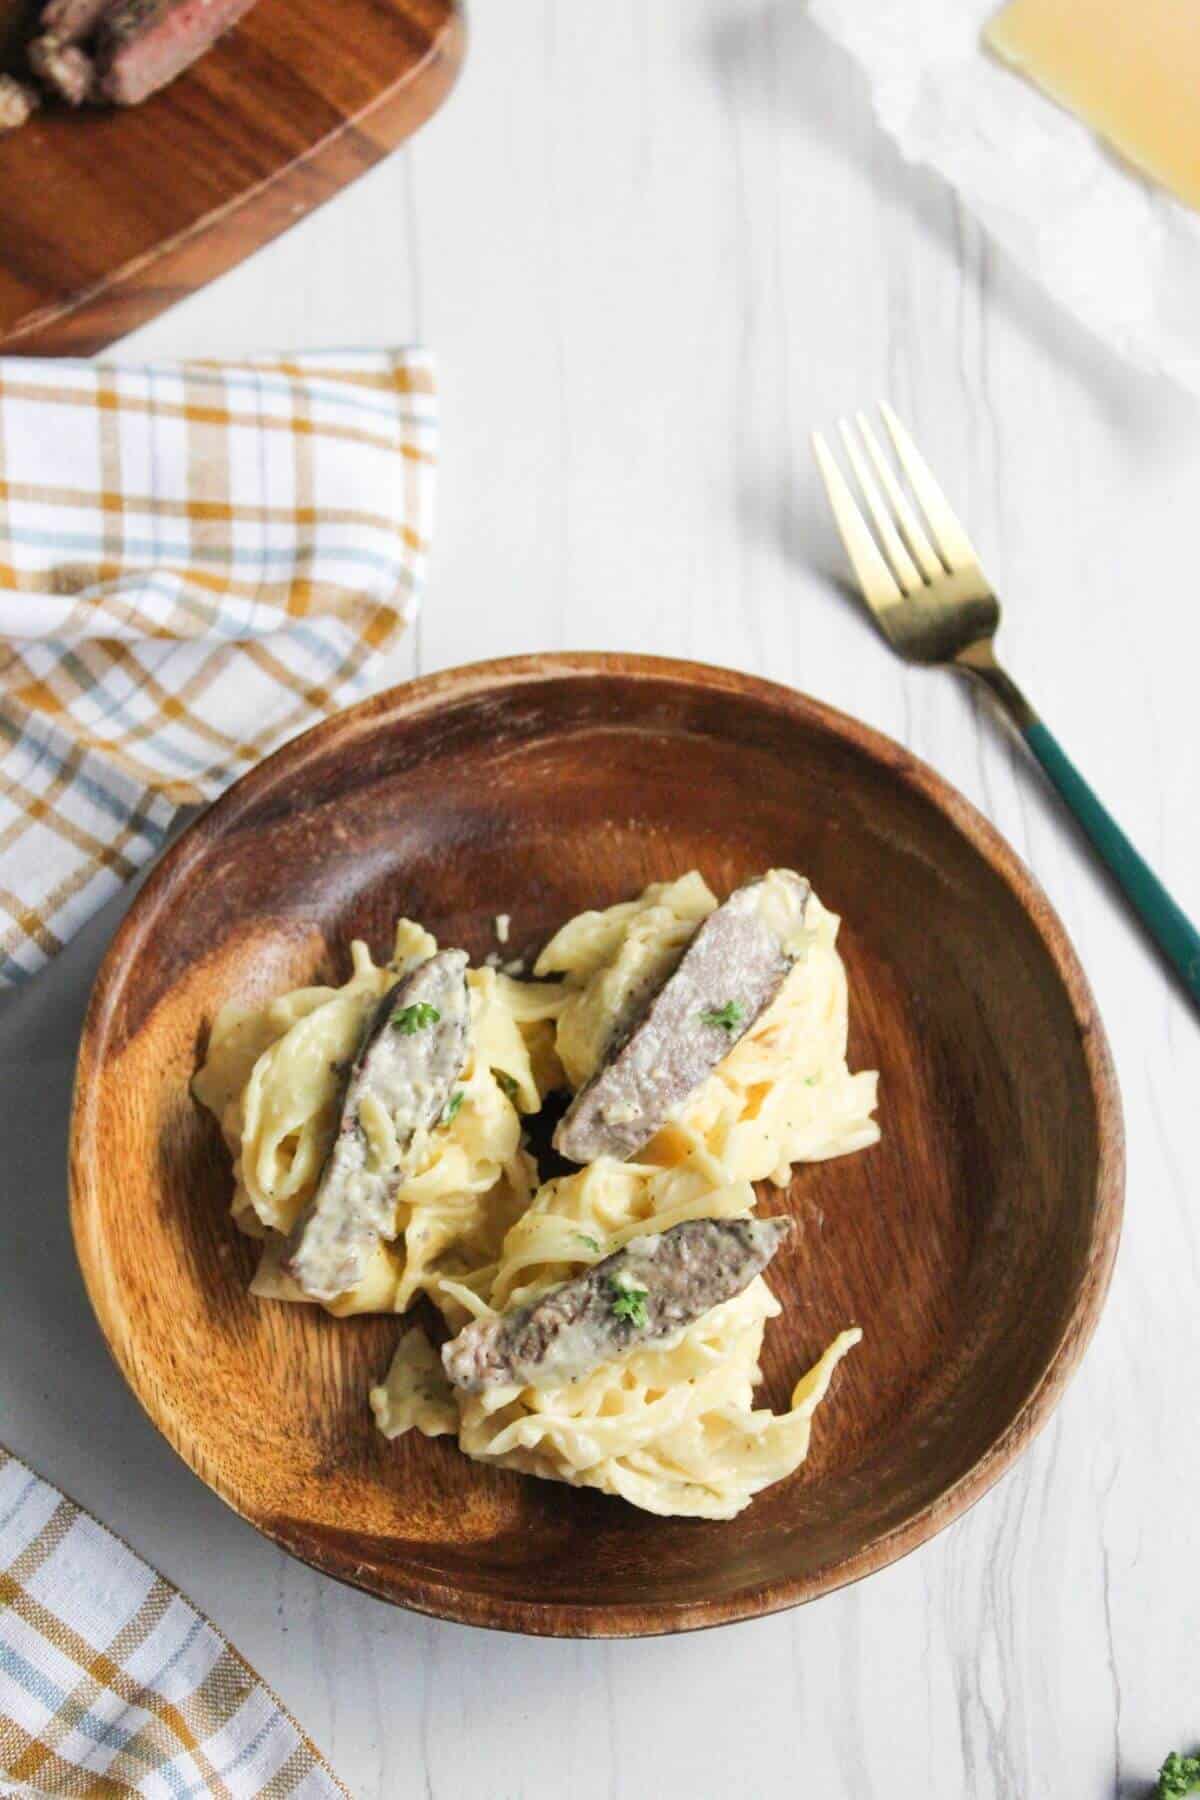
<point>1170,928</point>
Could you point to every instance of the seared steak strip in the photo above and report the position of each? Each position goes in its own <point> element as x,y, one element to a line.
<point>18,23</point>
<point>18,102</point>
<point>64,68</point>
<point>141,45</point>
<point>118,50</point>
<point>729,974</point>
<point>70,21</point>
<point>638,1299</point>
<point>411,1054</point>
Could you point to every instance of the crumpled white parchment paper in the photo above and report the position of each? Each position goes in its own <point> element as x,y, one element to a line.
<point>1119,252</point>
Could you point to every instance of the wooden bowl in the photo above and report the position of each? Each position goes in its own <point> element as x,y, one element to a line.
<point>974,1244</point>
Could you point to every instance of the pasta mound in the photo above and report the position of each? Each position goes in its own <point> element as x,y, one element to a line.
<point>672,1429</point>
<point>783,1094</point>
<point>272,1078</point>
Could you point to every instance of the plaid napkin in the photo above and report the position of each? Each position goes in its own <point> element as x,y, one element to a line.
<point>112,1684</point>
<point>197,561</point>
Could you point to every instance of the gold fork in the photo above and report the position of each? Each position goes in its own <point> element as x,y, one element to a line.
<point>935,605</point>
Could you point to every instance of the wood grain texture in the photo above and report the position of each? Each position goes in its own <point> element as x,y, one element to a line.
<point>109,216</point>
<point>974,1245</point>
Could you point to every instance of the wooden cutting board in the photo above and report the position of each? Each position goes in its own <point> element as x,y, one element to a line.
<point>109,217</point>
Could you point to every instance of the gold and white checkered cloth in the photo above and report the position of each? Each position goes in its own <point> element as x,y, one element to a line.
<point>197,561</point>
<point>111,1684</point>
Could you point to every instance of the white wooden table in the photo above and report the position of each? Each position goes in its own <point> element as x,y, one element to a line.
<point>652,246</point>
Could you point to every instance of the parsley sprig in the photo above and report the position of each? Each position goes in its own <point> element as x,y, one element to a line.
<point>1178,1776</point>
<point>726,1018</point>
<point>411,1019</point>
<point>630,1303</point>
<point>452,1105</point>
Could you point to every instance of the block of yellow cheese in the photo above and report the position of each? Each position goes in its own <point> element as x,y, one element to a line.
<point>1129,68</point>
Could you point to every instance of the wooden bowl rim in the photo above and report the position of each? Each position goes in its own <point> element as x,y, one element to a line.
<point>576,1619</point>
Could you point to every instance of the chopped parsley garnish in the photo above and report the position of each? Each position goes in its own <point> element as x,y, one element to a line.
<point>411,1019</point>
<point>452,1105</point>
<point>630,1303</point>
<point>812,1081</point>
<point>586,1239</point>
<point>1178,1776</point>
<point>506,1082</point>
<point>727,1017</point>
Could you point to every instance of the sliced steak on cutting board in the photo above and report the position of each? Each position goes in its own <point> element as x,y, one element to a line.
<point>141,45</point>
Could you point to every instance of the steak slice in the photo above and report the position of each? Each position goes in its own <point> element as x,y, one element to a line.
<point>729,974</point>
<point>411,1054</point>
<point>18,102</point>
<point>65,69</point>
<point>636,1300</point>
<point>18,23</point>
<point>141,45</point>
<point>70,21</point>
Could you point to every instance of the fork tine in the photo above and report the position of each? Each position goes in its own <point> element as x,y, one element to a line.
<point>923,550</point>
<point>879,586</point>
<point>902,563</point>
<point>952,540</point>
